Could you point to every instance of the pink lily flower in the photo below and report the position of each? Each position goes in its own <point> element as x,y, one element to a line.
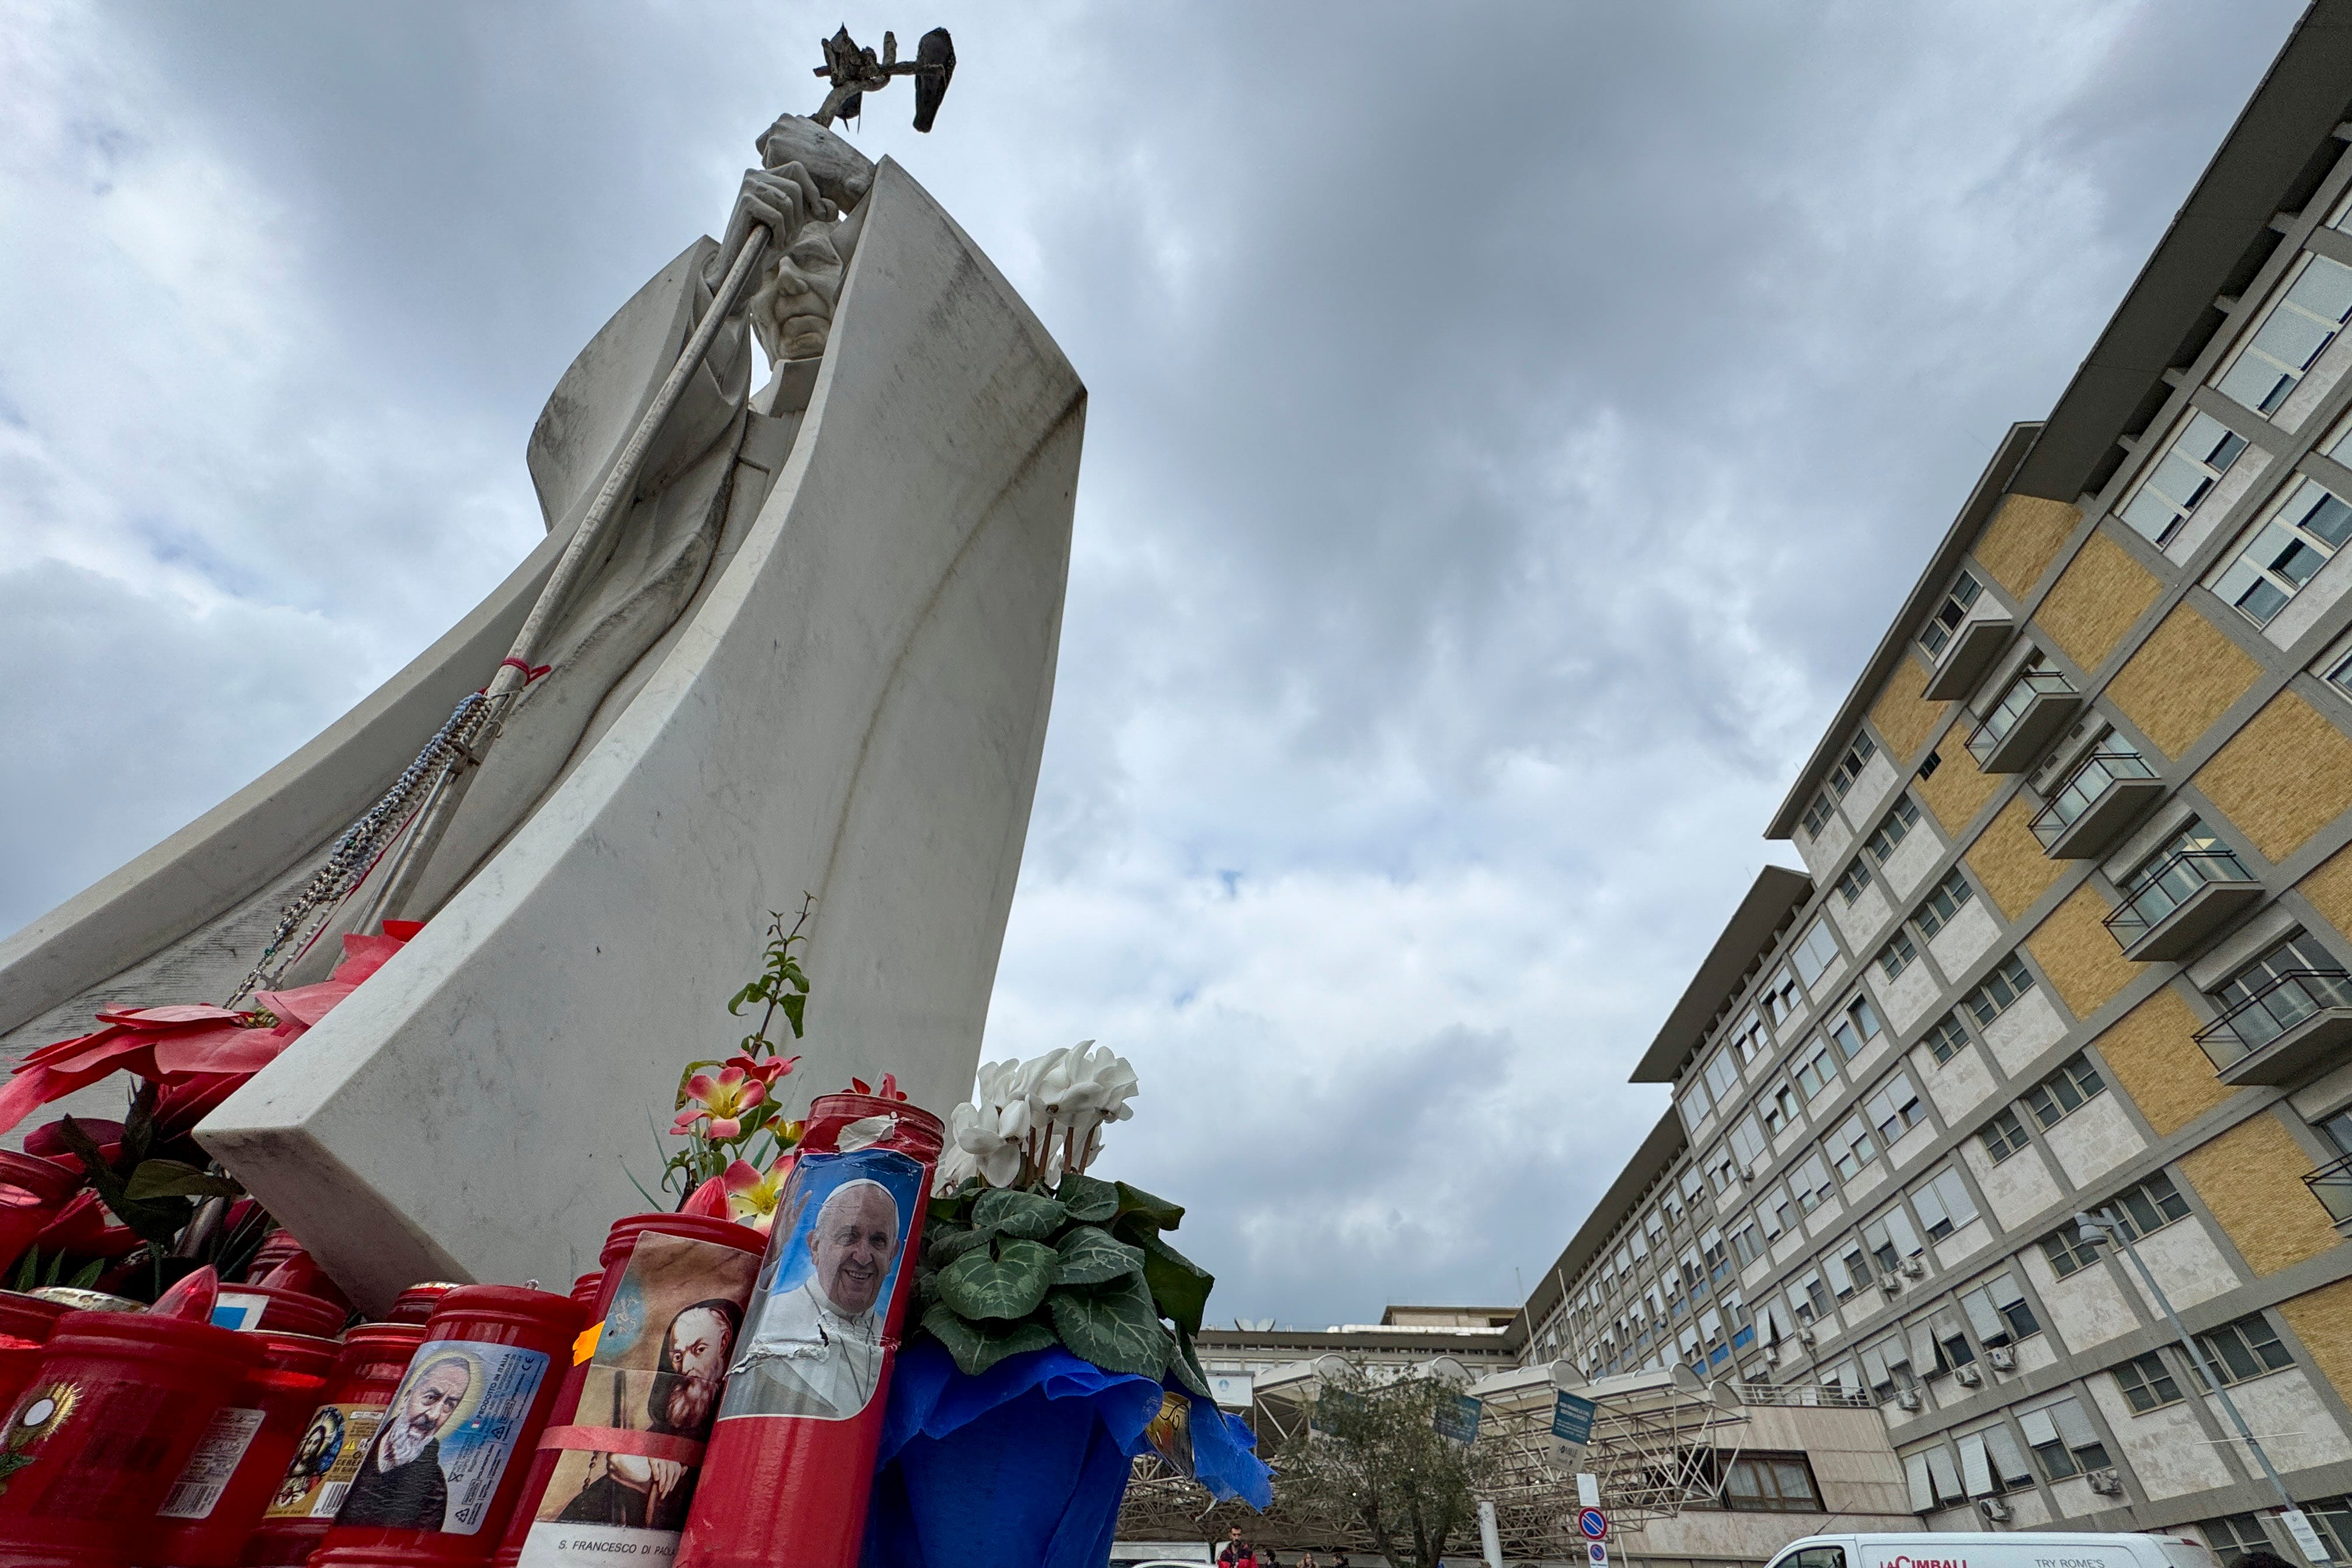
<point>753,1194</point>
<point>715,1107</point>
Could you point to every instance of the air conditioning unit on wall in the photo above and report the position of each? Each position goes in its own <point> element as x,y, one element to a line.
<point>2107,1484</point>
<point>1993,1508</point>
<point>2002,1357</point>
<point>1890,1284</point>
<point>1969,1377</point>
<point>1915,1267</point>
<point>1804,1336</point>
<point>1908,1399</point>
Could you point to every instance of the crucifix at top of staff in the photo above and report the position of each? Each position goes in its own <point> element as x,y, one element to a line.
<point>430,789</point>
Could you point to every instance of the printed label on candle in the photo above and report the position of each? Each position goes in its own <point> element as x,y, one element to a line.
<point>434,1461</point>
<point>207,1472</point>
<point>324,1462</point>
<point>626,1469</point>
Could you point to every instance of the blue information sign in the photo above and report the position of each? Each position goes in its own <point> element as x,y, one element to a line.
<point>1457,1418</point>
<point>1571,1419</point>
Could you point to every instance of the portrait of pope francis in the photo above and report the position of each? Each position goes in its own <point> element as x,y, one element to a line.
<point>818,1347</point>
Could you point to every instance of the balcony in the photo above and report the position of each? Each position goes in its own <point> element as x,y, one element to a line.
<point>1967,656</point>
<point>2029,718</point>
<point>2104,794</point>
<point>2297,1022</point>
<point>2180,901</point>
<point>2331,1184</point>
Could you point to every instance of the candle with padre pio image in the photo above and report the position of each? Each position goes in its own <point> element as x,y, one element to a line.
<point>791,1463</point>
<point>615,1469</point>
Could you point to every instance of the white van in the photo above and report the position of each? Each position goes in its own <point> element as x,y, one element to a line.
<point>2004,1549</point>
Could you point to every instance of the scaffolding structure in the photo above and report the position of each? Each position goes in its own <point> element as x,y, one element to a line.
<point>1658,1446</point>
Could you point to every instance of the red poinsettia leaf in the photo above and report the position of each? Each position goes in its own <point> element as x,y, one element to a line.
<point>363,956</point>
<point>65,1049</point>
<point>306,1003</point>
<point>402,930</point>
<point>166,1018</point>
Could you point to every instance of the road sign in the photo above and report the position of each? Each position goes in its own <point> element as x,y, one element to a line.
<point>1588,1489</point>
<point>1597,1554</point>
<point>1571,1419</point>
<point>2298,1525</point>
<point>1594,1522</point>
<point>1457,1417</point>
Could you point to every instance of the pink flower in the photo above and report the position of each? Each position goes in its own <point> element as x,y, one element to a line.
<point>766,1072</point>
<point>715,1107</point>
<point>753,1194</point>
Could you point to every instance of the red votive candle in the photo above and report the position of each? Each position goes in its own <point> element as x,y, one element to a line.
<point>276,1307</point>
<point>416,1304</point>
<point>616,1466</point>
<point>791,1462</point>
<point>296,1516</point>
<point>212,1507</point>
<point>441,1474</point>
<point>105,1423</point>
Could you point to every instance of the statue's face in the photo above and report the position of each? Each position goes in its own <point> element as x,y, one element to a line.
<point>794,310</point>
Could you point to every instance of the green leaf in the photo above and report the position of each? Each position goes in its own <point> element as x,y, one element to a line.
<point>1186,1365</point>
<point>1008,1286</point>
<point>1157,1211</point>
<point>1008,1211</point>
<point>947,1245</point>
<point>1117,1330</point>
<point>174,1178</point>
<point>1179,1285</point>
<point>792,1008</point>
<point>1093,1202</point>
<point>748,993</point>
<point>87,1276</point>
<point>155,1220</point>
<point>28,1271</point>
<point>1090,1257</point>
<point>975,1351</point>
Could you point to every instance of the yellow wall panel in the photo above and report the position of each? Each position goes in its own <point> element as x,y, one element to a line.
<point>2283,777</point>
<point>2024,538</point>
<point>2329,888</point>
<point>2007,857</point>
<point>2321,1319</point>
<point>2150,1054</point>
<point>2181,679</point>
<point>2075,951</point>
<point>1904,718</point>
<point>1959,788</point>
<point>2101,594</point>
<point>2251,1178</point>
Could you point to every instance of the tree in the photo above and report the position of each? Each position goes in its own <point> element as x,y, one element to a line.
<point>1373,1459</point>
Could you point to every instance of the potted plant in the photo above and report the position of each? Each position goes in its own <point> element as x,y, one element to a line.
<point>1054,1343</point>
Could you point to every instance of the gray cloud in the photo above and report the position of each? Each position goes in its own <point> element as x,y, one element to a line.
<point>1509,435</point>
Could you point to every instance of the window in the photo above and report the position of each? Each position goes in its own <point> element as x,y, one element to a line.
<point>1887,1365</point>
<point>1895,1108</point>
<point>2151,1206</point>
<point>1810,1183</point>
<point>1809,1298</point>
<point>1718,1262</point>
<point>1856,1029</point>
<point>1948,899</point>
<point>1929,763</point>
<point>1746,1244</point>
<point>1816,952</point>
<point>1897,956</point>
<point>1771,1483</point>
<point>1816,1075</point>
<point>1891,1239</point>
<point>2190,468</point>
<point>2233,1535</point>
<point>2278,990</point>
<point>1850,766</point>
<point>1946,1039</point>
<point>2068,1250</point>
<point>1782,1000</point>
<point>2147,1383</point>
<point>1856,878</point>
<point>1998,1311</point>
<point>2062,1438</point>
<point>1751,1040</point>
<point>1850,1148</point>
<point>2309,528</point>
<point>1892,828</point>
<point>1778,1210</point>
<point>1748,1144</point>
<point>1936,635</point>
<point>1780,1109</point>
<point>1952,1346</point>
<point>1934,1480</point>
<point>2003,1135</point>
<point>1849,1270</point>
<point>2242,1348</point>
<point>2032,680</point>
<point>2001,990</point>
<point>1992,1461</point>
<point>1723,1073</point>
<point>1943,1203</point>
<point>1818,814</point>
<point>2297,328</point>
<point>1693,1103</point>
<point>2063,1093</point>
<point>1818,1556</point>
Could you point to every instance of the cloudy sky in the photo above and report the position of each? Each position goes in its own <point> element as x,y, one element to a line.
<point>1510,430</point>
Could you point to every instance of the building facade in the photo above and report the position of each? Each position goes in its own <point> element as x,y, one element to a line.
<point>2074,934</point>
